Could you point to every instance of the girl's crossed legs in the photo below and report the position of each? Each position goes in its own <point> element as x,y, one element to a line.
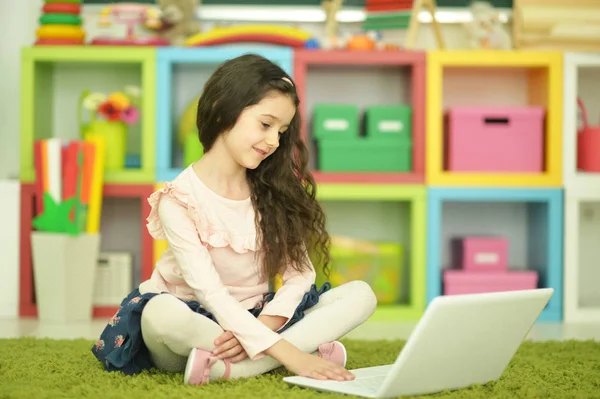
<point>170,329</point>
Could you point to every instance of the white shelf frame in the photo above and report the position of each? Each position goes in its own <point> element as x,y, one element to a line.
<point>575,183</point>
<point>572,312</point>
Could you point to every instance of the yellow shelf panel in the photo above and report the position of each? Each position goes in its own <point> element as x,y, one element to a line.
<point>544,89</point>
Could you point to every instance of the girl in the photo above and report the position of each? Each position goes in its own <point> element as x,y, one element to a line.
<point>243,213</point>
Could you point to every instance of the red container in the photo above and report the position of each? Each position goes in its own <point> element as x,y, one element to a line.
<point>588,144</point>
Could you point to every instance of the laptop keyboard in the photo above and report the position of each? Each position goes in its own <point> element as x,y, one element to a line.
<point>371,384</point>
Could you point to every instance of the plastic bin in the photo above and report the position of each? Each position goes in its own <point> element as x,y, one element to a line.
<point>495,139</point>
<point>389,121</point>
<point>459,282</point>
<point>377,263</point>
<point>480,253</point>
<point>336,121</point>
<point>364,155</point>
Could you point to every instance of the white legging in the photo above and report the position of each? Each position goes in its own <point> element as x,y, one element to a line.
<point>170,329</point>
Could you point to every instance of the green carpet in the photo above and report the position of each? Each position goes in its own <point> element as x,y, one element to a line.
<point>34,368</point>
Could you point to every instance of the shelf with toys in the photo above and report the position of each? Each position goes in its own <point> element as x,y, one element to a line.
<point>121,81</point>
<point>363,117</point>
<point>494,118</point>
<point>487,239</point>
<point>383,244</point>
<point>123,230</point>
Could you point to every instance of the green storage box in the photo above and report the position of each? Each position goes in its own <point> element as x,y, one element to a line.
<point>335,121</point>
<point>377,263</point>
<point>390,121</point>
<point>364,154</point>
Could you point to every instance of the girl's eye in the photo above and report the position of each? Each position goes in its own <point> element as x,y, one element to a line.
<point>265,125</point>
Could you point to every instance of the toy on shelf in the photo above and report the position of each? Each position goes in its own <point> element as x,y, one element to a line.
<point>415,23</point>
<point>386,14</point>
<point>260,33</point>
<point>368,41</point>
<point>588,143</point>
<point>481,265</point>
<point>377,263</point>
<point>401,14</point>
<point>486,30</point>
<point>187,133</point>
<point>177,21</point>
<point>495,139</point>
<point>130,14</point>
<point>385,146</point>
<point>69,179</point>
<point>558,25</point>
<point>60,23</point>
<point>331,9</point>
<point>117,110</point>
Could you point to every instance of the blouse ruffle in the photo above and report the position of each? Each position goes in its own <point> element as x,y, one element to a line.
<point>212,233</point>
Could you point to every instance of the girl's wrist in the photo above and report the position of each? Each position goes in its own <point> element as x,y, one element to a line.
<point>273,322</point>
<point>283,351</point>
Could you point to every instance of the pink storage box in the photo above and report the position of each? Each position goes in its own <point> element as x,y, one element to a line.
<point>480,253</point>
<point>495,139</point>
<point>458,282</point>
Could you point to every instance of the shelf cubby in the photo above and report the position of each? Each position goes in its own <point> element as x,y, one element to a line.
<point>181,75</point>
<point>52,80</point>
<point>362,80</point>
<point>494,79</point>
<point>530,219</point>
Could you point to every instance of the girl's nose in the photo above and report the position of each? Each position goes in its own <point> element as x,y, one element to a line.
<point>272,139</point>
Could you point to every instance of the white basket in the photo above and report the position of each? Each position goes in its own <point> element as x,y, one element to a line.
<point>64,268</point>
<point>113,280</point>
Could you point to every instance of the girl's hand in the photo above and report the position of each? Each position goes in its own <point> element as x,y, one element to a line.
<point>306,365</point>
<point>227,347</point>
<point>312,366</point>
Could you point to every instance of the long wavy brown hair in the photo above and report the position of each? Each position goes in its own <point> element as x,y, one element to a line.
<point>290,222</point>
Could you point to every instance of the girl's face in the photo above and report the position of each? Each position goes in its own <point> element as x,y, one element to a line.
<point>256,133</point>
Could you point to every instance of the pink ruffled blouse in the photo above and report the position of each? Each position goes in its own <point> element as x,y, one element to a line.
<point>213,257</point>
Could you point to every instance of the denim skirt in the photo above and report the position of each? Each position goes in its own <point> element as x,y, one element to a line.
<point>121,346</point>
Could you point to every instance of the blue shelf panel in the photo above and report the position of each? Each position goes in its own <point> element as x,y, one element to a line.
<point>168,57</point>
<point>545,227</point>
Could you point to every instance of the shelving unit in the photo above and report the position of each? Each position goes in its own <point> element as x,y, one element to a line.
<point>488,78</point>
<point>582,222</point>
<point>531,220</point>
<point>581,79</point>
<point>378,78</point>
<point>420,209</point>
<point>53,79</point>
<point>181,75</point>
<point>137,193</point>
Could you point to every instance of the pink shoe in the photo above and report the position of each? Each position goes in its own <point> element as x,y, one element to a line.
<point>334,352</point>
<point>197,369</point>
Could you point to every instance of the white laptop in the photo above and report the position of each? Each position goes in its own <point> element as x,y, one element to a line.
<point>460,340</point>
